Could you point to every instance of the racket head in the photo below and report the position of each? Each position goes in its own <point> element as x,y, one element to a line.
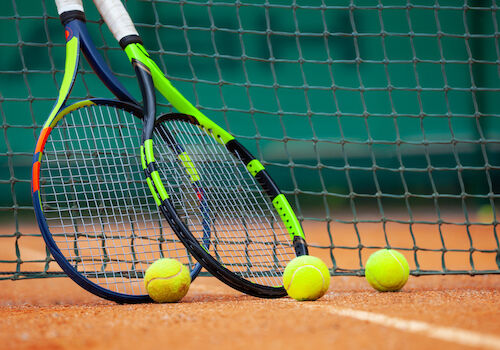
<point>214,181</point>
<point>92,205</point>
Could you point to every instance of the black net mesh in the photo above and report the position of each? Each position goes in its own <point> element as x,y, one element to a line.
<point>379,120</point>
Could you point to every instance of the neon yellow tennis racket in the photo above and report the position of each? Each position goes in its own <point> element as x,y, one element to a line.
<point>218,198</point>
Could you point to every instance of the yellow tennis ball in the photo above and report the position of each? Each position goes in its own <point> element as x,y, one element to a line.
<point>306,278</point>
<point>167,280</point>
<point>387,270</point>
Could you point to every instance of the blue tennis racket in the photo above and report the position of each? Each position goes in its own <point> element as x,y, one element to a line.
<point>91,200</point>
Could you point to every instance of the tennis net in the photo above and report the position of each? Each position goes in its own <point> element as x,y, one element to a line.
<point>379,120</point>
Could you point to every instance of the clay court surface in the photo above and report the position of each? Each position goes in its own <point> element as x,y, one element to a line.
<point>452,312</point>
<point>455,311</point>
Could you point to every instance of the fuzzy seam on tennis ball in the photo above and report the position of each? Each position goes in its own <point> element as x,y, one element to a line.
<point>387,270</point>
<point>167,280</point>
<point>306,278</point>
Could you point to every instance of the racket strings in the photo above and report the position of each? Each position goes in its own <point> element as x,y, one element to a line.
<point>246,234</point>
<point>96,203</point>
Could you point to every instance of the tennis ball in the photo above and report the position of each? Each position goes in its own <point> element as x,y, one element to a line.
<point>387,270</point>
<point>167,280</point>
<point>306,278</point>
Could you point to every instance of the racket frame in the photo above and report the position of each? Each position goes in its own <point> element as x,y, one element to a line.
<point>78,38</point>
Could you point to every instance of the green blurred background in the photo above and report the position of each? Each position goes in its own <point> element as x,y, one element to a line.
<point>336,98</point>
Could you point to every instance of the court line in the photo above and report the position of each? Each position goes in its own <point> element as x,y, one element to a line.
<point>449,334</point>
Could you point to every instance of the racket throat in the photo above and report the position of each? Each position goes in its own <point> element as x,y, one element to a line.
<point>148,96</point>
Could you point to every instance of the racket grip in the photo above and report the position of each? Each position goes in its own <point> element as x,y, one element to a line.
<point>68,5</point>
<point>116,17</point>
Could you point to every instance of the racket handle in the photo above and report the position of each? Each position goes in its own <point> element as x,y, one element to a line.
<point>68,5</point>
<point>116,17</point>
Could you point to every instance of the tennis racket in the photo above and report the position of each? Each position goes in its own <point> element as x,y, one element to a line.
<point>93,207</point>
<point>254,232</point>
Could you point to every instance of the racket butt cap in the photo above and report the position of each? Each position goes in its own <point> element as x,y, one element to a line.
<point>130,39</point>
<point>69,16</point>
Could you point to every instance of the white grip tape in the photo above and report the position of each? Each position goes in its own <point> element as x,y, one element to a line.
<point>116,17</point>
<point>68,5</point>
